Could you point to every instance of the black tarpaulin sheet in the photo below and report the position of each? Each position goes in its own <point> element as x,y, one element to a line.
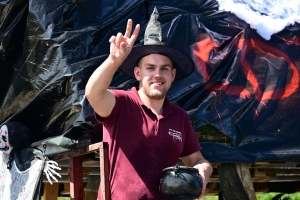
<point>242,99</point>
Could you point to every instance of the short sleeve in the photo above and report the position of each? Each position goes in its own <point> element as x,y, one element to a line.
<point>191,144</point>
<point>100,119</point>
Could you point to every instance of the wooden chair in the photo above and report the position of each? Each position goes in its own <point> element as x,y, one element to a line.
<point>76,175</point>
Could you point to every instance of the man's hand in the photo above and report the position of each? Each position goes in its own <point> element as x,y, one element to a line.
<point>96,90</point>
<point>205,171</point>
<point>197,161</point>
<point>121,45</point>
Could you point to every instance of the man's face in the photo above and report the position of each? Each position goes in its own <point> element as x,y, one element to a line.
<point>155,74</point>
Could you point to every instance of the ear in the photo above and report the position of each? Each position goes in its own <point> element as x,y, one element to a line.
<point>173,74</point>
<point>137,75</point>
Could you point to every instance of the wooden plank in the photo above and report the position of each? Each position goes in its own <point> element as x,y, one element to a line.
<point>78,152</point>
<point>261,172</point>
<point>65,163</point>
<point>231,186</point>
<point>265,179</point>
<point>104,172</point>
<point>244,174</point>
<point>76,185</point>
<point>277,165</point>
<point>65,179</point>
<point>89,195</point>
<point>50,191</point>
<point>295,172</point>
<point>66,189</point>
<point>264,176</point>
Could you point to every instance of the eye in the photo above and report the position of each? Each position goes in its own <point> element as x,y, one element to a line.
<point>4,138</point>
<point>150,68</point>
<point>166,68</point>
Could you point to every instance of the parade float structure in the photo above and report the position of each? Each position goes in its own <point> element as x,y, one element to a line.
<point>242,98</point>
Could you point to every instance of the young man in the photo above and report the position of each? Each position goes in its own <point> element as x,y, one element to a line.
<point>145,132</point>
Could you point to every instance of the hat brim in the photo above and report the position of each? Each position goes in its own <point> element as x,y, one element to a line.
<point>182,62</point>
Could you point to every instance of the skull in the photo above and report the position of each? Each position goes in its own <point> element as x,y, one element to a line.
<point>4,142</point>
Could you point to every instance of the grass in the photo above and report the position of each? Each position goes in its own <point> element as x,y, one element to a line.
<point>261,196</point>
<point>60,198</point>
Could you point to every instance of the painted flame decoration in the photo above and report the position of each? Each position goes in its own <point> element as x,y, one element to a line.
<point>206,54</point>
<point>205,48</point>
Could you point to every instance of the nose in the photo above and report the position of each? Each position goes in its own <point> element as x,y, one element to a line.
<point>157,73</point>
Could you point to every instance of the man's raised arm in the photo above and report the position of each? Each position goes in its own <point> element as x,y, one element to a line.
<point>96,90</point>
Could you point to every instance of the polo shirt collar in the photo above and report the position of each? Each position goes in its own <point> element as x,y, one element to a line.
<point>167,104</point>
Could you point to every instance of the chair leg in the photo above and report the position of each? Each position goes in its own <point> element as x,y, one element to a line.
<point>76,183</point>
<point>104,172</point>
<point>50,191</point>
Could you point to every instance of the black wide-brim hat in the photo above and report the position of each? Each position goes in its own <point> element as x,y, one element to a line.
<point>153,45</point>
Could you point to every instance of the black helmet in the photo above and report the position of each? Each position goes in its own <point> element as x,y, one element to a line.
<point>180,182</point>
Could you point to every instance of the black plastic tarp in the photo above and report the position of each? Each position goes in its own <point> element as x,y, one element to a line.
<point>242,99</point>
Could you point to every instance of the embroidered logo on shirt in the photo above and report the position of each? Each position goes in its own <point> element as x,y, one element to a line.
<point>176,134</point>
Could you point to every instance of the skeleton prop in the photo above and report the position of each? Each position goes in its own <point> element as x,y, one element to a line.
<point>22,166</point>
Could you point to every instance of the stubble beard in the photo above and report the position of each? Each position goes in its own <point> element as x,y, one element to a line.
<point>155,95</point>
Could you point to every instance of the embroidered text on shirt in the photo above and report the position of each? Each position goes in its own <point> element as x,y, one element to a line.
<point>176,134</point>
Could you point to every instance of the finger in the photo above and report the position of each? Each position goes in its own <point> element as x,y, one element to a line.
<point>123,47</point>
<point>128,28</point>
<point>51,166</point>
<point>203,186</point>
<point>119,39</point>
<point>56,167</point>
<point>52,162</point>
<point>135,34</point>
<point>54,172</point>
<point>53,177</point>
<point>203,190</point>
<point>57,174</point>
<point>51,170</point>
<point>48,178</point>
<point>112,39</point>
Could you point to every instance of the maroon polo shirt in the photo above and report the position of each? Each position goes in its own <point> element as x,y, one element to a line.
<point>142,145</point>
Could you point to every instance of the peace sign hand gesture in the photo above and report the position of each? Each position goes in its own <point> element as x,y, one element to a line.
<point>121,45</point>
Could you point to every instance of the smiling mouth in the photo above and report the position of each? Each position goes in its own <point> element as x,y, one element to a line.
<point>157,83</point>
